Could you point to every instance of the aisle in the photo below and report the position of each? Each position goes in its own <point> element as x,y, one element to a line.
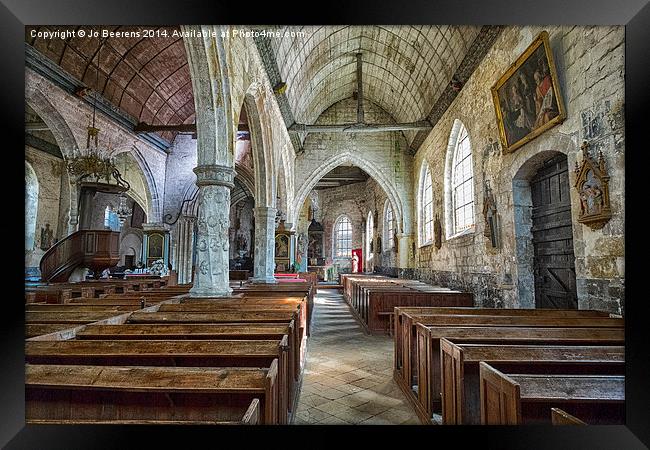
<point>348,374</point>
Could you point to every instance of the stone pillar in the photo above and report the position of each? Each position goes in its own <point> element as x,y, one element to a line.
<point>404,250</point>
<point>183,237</point>
<point>264,262</point>
<point>212,272</point>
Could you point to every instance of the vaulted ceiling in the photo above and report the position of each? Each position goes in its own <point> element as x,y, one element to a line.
<point>148,78</point>
<point>405,68</point>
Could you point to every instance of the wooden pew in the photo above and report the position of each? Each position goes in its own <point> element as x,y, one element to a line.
<point>32,330</point>
<point>559,417</point>
<point>515,399</point>
<point>460,369</point>
<point>230,331</point>
<point>238,353</point>
<point>227,316</point>
<point>405,339</point>
<point>428,352</point>
<point>218,317</point>
<point>80,307</point>
<point>40,317</point>
<point>62,394</point>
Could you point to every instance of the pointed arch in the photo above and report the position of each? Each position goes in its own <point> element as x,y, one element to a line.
<point>402,215</point>
<point>459,183</point>
<point>425,204</point>
<point>388,227</point>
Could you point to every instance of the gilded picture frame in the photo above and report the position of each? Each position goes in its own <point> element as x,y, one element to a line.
<point>527,97</point>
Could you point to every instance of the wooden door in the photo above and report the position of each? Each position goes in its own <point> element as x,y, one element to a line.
<point>554,263</point>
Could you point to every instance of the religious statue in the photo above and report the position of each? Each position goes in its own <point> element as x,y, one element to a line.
<point>355,263</point>
<point>592,183</point>
<point>591,196</point>
<point>490,215</point>
<point>437,232</point>
<point>241,243</point>
<point>46,237</point>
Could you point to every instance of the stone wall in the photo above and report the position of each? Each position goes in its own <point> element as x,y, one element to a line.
<point>48,170</point>
<point>590,65</point>
<point>346,200</point>
<point>384,156</point>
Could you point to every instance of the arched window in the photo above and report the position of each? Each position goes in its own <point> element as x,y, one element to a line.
<point>389,227</point>
<point>369,236</point>
<point>425,206</point>
<point>31,206</point>
<point>110,219</point>
<point>343,238</point>
<point>459,182</point>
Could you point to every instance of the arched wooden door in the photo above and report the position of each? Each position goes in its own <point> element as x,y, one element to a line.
<point>554,262</point>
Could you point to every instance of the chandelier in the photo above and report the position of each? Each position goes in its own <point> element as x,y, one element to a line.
<point>95,162</point>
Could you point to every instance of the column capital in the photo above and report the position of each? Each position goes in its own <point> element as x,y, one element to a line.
<point>213,174</point>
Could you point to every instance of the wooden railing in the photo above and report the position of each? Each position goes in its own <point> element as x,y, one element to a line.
<point>95,249</point>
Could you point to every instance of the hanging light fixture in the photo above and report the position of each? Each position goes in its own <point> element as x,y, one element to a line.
<point>93,161</point>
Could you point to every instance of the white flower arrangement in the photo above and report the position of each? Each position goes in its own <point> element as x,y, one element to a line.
<point>158,268</point>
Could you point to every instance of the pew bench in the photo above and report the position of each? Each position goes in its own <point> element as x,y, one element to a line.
<point>59,394</point>
<point>428,364</point>
<point>460,388</point>
<point>239,353</point>
<point>516,399</point>
<point>559,417</point>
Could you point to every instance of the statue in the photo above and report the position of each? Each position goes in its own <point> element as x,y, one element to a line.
<point>46,237</point>
<point>592,184</point>
<point>437,233</point>
<point>241,242</point>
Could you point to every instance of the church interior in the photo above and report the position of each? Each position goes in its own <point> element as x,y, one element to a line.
<point>332,225</point>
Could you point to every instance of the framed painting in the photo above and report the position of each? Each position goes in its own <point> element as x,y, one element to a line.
<point>281,246</point>
<point>527,97</point>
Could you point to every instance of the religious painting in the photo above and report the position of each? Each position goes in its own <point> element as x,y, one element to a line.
<point>281,246</point>
<point>527,97</point>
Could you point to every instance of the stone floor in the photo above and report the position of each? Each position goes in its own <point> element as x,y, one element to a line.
<point>348,374</point>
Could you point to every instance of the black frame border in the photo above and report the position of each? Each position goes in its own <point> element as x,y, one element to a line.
<point>634,14</point>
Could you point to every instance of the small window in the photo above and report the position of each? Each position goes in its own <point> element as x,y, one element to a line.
<point>463,184</point>
<point>369,236</point>
<point>343,238</point>
<point>111,221</point>
<point>459,183</point>
<point>389,227</point>
<point>426,206</point>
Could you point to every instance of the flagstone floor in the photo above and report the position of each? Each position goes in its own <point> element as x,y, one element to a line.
<point>348,374</point>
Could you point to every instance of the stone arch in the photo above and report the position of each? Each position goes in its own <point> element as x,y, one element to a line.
<point>523,171</point>
<point>402,219</point>
<point>154,200</point>
<point>57,124</point>
<point>66,141</point>
<point>261,146</point>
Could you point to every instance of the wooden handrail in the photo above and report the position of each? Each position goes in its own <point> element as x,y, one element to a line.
<point>95,249</point>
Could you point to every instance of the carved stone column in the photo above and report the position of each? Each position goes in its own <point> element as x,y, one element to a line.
<point>264,262</point>
<point>212,272</point>
<point>404,250</point>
